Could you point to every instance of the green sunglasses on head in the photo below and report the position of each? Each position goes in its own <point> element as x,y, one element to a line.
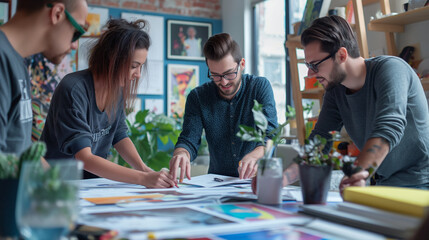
<point>79,29</point>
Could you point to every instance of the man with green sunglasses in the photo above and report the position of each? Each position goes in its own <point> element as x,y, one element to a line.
<point>79,30</point>
<point>43,26</point>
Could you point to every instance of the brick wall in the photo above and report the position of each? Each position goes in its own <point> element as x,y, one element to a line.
<point>192,8</point>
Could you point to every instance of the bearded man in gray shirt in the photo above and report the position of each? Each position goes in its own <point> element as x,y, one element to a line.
<point>380,101</point>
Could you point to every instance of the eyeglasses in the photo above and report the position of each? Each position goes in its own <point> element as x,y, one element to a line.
<point>228,76</point>
<point>79,29</point>
<point>313,66</point>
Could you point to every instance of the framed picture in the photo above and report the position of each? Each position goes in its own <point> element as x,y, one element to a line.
<point>185,40</point>
<point>181,80</point>
<point>5,11</point>
<point>97,18</point>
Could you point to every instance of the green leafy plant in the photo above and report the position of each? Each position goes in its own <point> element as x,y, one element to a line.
<point>291,113</point>
<point>312,154</point>
<point>10,164</point>
<point>50,187</point>
<point>259,134</point>
<point>145,132</point>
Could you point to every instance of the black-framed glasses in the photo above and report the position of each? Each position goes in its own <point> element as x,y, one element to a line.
<point>79,29</point>
<point>228,76</point>
<point>313,66</point>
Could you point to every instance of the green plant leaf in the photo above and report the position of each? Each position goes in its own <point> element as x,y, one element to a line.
<point>141,116</point>
<point>160,160</point>
<point>259,117</point>
<point>164,139</point>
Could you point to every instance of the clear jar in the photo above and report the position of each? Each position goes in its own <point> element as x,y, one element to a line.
<point>270,180</point>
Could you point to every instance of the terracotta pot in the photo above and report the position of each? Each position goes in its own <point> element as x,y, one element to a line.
<point>315,183</point>
<point>311,82</point>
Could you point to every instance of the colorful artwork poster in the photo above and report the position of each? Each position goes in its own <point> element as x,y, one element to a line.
<point>97,18</point>
<point>273,234</point>
<point>148,197</point>
<point>248,211</point>
<point>151,220</point>
<point>181,80</point>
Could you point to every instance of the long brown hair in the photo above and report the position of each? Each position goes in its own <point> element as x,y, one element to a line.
<point>110,61</point>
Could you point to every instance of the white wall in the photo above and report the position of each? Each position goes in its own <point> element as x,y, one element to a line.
<point>237,21</point>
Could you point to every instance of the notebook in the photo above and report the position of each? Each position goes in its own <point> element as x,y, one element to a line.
<point>410,201</point>
<point>367,218</point>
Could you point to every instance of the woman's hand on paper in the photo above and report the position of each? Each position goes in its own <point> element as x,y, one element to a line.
<point>161,179</point>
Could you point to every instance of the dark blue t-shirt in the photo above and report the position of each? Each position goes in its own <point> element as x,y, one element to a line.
<point>75,122</point>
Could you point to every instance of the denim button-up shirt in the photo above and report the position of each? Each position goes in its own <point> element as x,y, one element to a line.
<point>220,118</point>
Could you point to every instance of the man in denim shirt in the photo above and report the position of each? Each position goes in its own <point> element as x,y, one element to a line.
<point>219,107</point>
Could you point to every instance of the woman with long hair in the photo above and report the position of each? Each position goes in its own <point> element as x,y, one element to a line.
<point>87,115</point>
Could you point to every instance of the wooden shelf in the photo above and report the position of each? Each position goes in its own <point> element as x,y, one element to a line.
<point>396,23</point>
<point>293,42</point>
<point>314,93</point>
<point>294,38</point>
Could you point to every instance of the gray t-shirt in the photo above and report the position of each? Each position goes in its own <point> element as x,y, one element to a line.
<point>16,115</point>
<point>391,105</point>
<point>74,121</point>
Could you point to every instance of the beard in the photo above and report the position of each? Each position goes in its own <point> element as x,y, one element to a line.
<point>232,91</point>
<point>337,76</point>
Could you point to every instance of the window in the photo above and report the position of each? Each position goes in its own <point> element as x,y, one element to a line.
<point>269,59</point>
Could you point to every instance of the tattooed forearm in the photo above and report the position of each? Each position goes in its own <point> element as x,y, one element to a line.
<point>375,148</point>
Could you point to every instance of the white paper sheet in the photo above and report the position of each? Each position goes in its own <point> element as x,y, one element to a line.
<point>209,180</point>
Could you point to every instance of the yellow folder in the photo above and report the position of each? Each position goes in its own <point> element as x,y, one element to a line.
<point>409,201</point>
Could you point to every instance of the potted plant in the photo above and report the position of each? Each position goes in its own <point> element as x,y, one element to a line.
<point>146,132</point>
<point>10,167</point>
<point>269,176</point>
<point>315,168</point>
<point>50,194</point>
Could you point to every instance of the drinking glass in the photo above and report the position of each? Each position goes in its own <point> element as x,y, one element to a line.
<point>47,203</point>
<point>270,180</point>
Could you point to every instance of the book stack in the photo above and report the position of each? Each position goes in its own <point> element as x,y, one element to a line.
<point>391,211</point>
<point>408,201</point>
